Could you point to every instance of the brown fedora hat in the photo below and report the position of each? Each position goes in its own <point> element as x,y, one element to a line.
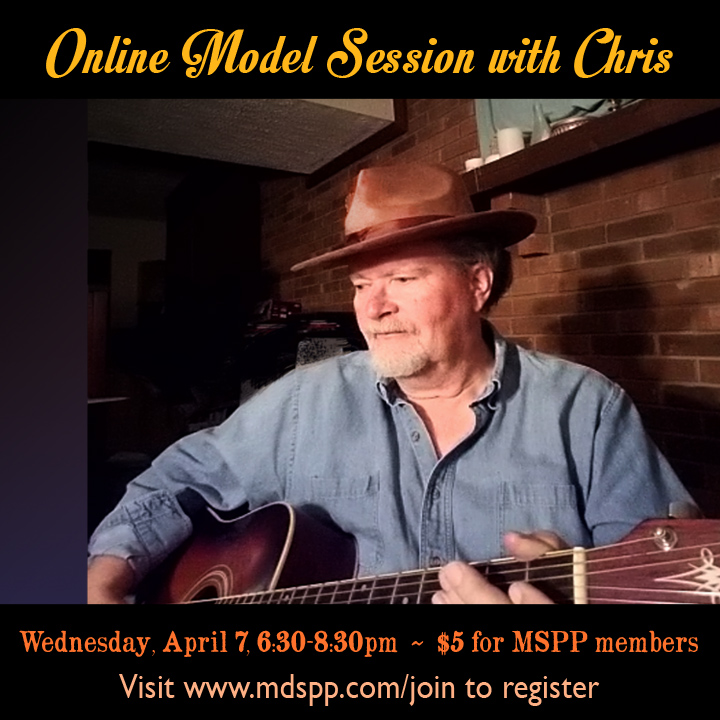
<point>396,204</point>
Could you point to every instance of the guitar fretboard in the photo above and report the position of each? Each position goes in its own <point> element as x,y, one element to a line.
<point>661,561</point>
<point>414,587</point>
<point>635,571</point>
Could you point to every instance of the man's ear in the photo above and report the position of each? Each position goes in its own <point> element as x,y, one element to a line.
<point>481,277</point>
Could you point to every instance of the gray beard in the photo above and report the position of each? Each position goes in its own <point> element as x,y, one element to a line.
<point>401,364</point>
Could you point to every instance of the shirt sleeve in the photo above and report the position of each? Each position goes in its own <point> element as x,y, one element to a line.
<point>244,460</point>
<point>631,481</point>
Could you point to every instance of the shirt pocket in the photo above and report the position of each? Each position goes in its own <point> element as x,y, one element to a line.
<point>353,505</point>
<point>554,507</point>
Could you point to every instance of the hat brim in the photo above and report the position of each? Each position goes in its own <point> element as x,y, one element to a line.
<point>502,227</point>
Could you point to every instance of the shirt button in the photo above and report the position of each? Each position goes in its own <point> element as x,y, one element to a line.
<point>436,493</point>
<point>435,561</point>
<point>414,435</point>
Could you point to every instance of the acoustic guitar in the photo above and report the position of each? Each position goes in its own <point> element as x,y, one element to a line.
<point>279,555</point>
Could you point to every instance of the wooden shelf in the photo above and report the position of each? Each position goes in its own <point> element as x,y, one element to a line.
<point>635,134</point>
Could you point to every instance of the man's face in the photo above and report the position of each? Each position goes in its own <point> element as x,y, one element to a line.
<point>416,308</point>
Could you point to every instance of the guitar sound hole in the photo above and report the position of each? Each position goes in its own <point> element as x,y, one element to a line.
<point>214,584</point>
<point>207,593</point>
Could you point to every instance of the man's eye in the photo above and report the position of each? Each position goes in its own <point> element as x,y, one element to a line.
<point>404,278</point>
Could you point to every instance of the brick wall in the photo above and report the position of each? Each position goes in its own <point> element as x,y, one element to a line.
<point>623,275</point>
<point>631,287</point>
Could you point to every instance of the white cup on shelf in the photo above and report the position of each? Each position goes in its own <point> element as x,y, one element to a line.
<point>509,141</point>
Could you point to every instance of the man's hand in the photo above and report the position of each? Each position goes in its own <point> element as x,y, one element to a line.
<point>463,585</point>
<point>110,580</point>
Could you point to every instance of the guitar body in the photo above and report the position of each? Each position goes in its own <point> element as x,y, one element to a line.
<point>273,547</point>
<point>278,555</point>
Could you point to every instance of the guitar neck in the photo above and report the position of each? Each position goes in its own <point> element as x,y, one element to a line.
<point>556,574</point>
<point>662,561</point>
<point>277,555</point>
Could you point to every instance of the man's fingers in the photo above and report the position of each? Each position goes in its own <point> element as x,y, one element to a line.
<point>463,585</point>
<point>522,593</point>
<point>110,579</point>
<point>530,546</point>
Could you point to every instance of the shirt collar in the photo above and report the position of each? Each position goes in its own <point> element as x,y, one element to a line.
<point>388,389</point>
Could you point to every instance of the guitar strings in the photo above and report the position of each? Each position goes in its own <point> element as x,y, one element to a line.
<point>403,585</point>
<point>418,596</point>
<point>367,594</point>
<point>346,596</point>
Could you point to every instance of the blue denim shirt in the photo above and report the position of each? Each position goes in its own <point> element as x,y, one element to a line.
<point>556,446</point>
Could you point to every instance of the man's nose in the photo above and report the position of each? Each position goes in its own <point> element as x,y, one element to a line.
<point>378,304</point>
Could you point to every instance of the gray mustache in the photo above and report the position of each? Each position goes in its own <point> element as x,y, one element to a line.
<point>391,327</point>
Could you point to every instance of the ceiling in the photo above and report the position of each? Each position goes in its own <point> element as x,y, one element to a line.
<point>141,149</point>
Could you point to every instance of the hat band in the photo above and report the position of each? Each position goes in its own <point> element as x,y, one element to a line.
<point>389,227</point>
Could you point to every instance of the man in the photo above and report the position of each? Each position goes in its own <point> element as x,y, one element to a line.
<point>443,443</point>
